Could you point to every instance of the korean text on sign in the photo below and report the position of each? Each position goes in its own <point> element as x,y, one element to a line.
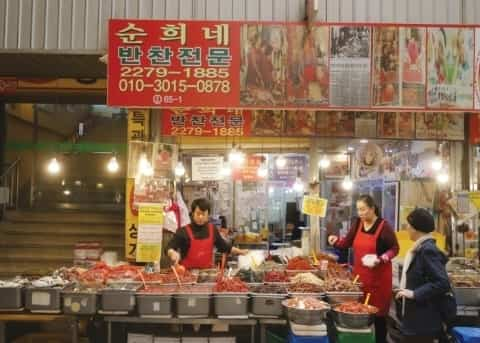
<point>173,63</point>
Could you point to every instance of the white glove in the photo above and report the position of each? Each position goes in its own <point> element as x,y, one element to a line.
<point>370,260</point>
<point>405,293</point>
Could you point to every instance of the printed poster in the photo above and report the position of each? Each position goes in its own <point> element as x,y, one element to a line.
<point>448,126</point>
<point>267,123</point>
<point>263,65</point>
<point>307,68</point>
<point>300,123</point>
<point>350,66</point>
<point>386,64</point>
<point>477,70</point>
<point>336,124</point>
<point>396,125</point>
<point>365,124</point>
<point>368,159</point>
<point>413,66</point>
<point>390,203</point>
<point>207,168</point>
<point>450,67</point>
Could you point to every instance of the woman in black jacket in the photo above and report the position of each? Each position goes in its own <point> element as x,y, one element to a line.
<point>424,282</point>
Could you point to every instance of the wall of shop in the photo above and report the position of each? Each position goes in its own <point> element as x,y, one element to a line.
<point>80,25</point>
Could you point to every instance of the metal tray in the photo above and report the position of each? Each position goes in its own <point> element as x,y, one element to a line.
<point>11,298</point>
<point>197,305</point>
<point>334,298</point>
<point>80,302</point>
<point>154,304</point>
<point>43,300</point>
<point>467,296</point>
<point>264,304</point>
<point>119,297</point>
<point>231,304</point>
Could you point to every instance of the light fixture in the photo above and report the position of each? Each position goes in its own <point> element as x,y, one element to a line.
<point>281,162</point>
<point>437,163</point>
<point>350,148</point>
<point>67,192</point>
<point>112,165</point>
<point>262,171</point>
<point>443,177</point>
<point>63,182</point>
<point>53,166</point>
<point>144,166</point>
<point>78,183</point>
<point>324,163</point>
<point>236,157</point>
<point>298,185</point>
<point>270,190</point>
<point>347,183</point>
<point>226,170</point>
<point>364,141</point>
<point>179,169</point>
<point>99,185</point>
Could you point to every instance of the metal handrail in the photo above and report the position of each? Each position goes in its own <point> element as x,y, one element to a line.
<point>10,178</point>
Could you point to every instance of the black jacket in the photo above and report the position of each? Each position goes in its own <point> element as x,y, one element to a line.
<point>428,279</point>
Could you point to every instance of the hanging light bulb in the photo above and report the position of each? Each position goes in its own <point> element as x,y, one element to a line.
<point>236,156</point>
<point>364,141</point>
<point>112,165</point>
<point>226,170</point>
<point>437,164</point>
<point>144,166</point>
<point>443,177</point>
<point>53,166</point>
<point>281,162</point>
<point>347,183</point>
<point>179,169</point>
<point>350,148</point>
<point>298,186</point>
<point>262,171</point>
<point>324,163</point>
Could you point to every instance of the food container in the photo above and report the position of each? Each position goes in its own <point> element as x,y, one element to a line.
<point>267,299</point>
<point>119,297</point>
<point>467,296</point>
<point>207,275</point>
<point>80,301</point>
<point>194,301</point>
<point>43,300</point>
<point>11,298</point>
<point>351,320</point>
<point>334,298</point>
<point>306,316</point>
<point>156,301</point>
<point>231,304</point>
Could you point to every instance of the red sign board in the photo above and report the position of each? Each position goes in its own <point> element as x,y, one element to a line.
<point>248,170</point>
<point>474,128</point>
<point>168,63</point>
<point>8,85</point>
<point>221,123</point>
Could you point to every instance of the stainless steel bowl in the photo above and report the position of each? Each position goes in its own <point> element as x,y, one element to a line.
<point>334,298</point>
<point>305,317</point>
<point>353,321</point>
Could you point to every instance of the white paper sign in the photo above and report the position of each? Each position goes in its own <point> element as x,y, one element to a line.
<point>206,168</point>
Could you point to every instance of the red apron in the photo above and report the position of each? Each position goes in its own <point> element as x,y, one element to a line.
<point>378,280</point>
<point>200,253</point>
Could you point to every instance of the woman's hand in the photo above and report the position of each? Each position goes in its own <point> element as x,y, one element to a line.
<point>174,256</point>
<point>405,293</point>
<point>332,239</point>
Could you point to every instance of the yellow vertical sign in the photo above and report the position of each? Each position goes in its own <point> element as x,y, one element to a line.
<point>138,129</point>
<point>149,240</point>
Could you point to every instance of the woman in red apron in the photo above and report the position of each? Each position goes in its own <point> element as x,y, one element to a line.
<point>372,235</point>
<point>192,245</point>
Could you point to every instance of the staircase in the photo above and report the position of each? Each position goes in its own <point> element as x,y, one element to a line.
<point>38,242</point>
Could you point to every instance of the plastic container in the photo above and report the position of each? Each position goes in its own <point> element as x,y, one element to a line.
<point>465,334</point>
<point>43,300</point>
<point>80,302</point>
<point>119,297</point>
<point>154,305</point>
<point>11,298</point>
<point>231,304</point>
